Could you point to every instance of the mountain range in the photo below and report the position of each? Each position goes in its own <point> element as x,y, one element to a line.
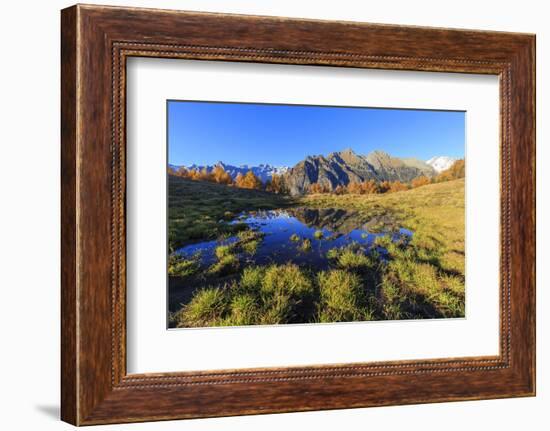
<point>263,171</point>
<point>340,168</point>
<point>343,167</point>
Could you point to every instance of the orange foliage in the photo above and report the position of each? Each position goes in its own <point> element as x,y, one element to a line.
<point>384,186</point>
<point>340,190</point>
<point>369,187</point>
<point>397,186</point>
<point>204,175</point>
<point>420,181</point>
<point>248,181</point>
<point>392,186</point>
<point>194,174</point>
<point>276,184</point>
<point>456,171</point>
<point>318,188</point>
<point>366,187</point>
<point>220,176</point>
<point>354,188</point>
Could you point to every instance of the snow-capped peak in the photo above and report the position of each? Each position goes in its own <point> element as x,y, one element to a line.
<point>263,171</point>
<point>441,163</point>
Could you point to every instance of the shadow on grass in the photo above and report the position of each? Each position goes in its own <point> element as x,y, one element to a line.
<point>201,210</point>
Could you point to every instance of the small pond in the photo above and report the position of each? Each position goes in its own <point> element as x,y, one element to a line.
<point>284,233</point>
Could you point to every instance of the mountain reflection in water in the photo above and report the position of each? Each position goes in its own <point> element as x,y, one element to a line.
<point>285,230</point>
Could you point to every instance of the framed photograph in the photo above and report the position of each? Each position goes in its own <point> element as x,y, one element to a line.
<point>266,215</point>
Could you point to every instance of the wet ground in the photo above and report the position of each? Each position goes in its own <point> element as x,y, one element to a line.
<point>284,232</point>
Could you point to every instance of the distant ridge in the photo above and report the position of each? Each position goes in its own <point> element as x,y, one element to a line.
<point>342,167</point>
<point>339,169</point>
<point>263,171</point>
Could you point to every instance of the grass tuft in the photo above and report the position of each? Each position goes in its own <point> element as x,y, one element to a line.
<point>228,264</point>
<point>294,238</point>
<point>251,279</point>
<point>354,260</point>
<point>342,297</point>
<point>250,247</point>
<point>244,311</point>
<point>305,245</point>
<point>224,250</point>
<point>181,267</point>
<point>286,279</point>
<point>205,309</point>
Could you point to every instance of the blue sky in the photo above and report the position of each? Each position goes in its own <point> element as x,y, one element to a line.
<point>243,133</point>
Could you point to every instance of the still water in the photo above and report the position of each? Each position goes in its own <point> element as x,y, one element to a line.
<point>285,230</point>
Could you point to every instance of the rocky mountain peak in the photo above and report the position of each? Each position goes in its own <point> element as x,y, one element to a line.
<point>347,151</point>
<point>342,167</point>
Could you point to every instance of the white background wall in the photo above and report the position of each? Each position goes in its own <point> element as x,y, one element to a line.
<point>29,215</point>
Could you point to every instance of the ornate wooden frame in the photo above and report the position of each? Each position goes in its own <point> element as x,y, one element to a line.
<point>96,41</point>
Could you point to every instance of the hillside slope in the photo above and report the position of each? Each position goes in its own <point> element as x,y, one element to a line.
<point>196,207</point>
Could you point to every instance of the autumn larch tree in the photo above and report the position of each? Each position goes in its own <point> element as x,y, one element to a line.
<point>456,171</point>
<point>397,186</point>
<point>420,181</point>
<point>276,184</point>
<point>384,186</point>
<point>369,187</point>
<point>354,187</point>
<point>220,175</point>
<point>317,188</point>
<point>248,181</point>
<point>194,174</point>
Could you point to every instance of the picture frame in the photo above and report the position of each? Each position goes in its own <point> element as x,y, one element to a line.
<point>96,42</point>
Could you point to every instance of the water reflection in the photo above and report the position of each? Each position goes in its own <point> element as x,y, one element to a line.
<point>286,230</point>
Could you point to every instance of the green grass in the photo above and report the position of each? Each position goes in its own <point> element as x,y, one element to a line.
<point>424,278</point>
<point>251,247</point>
<point>206,309</point>
<point>273,294</point>
<point>249,235</point>
<point>244,311</point>
<point>305,245</point>
<point>342,297</point>
<point>251,279</point>
<point>199,210</point>
<point>418,278</point>
<point>333,253</point>
<point>249,241</point>
<point>224,250</point>
<point>181,267</point>
<point>285,279</point>
<point>227,254</point>
<point>228,264</point>
<point>354,260</point>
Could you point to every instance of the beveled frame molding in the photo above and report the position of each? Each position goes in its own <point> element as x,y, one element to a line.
<point>96,41</point>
